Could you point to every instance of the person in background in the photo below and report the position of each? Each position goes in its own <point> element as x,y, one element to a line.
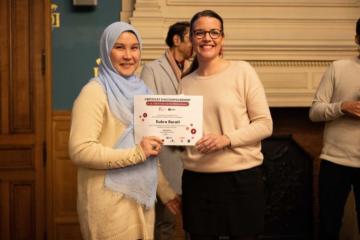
<point>337,103</point>
<point>162,76</point>
<point>222,183</point>
<point>117,179</point>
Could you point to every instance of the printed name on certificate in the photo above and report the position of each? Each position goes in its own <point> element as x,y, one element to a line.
<point>176,119</point>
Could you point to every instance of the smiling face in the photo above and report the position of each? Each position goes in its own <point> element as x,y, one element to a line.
<point>125,54</point>
<point>205,46</point>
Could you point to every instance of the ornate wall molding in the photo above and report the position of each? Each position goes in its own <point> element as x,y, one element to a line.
<point>299,36</point>
<point>329,3</point>
<point>289,64</point>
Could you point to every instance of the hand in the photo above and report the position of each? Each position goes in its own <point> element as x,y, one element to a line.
<point>151,146</point>
<point>352,108</point>
<point>212,142</point>
<point>174,205</point>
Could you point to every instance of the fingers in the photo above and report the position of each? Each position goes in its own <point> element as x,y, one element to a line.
<point>357,109</point>
<point>203,140</point>
<point>156,143</point>
<point>174,205</point>
<point>351,107</point>
<point>212,142</point>
<point>173,209</point>
<point>151,145</point>
<point>153,139</point>
<point>206,145</point>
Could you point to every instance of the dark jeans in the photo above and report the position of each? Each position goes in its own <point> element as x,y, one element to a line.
<point>335,182</point>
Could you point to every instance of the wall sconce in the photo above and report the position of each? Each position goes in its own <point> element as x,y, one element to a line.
<point>55,16</point>
<point>84,2</point>
<point>96,68</point>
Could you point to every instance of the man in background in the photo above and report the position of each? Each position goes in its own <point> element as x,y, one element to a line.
<point>162,76</point>
<point>337,103</point>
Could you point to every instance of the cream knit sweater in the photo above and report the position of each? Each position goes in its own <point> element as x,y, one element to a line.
<point>104,214</point>
<point>341,140</point>
<point>235,105</point>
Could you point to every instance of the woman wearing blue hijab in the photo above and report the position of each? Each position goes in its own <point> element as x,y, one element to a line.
<point>117,179</point>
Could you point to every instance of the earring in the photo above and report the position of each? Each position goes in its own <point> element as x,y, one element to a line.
<point>221,52</point>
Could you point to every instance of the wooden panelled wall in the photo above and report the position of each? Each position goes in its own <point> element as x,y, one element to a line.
<point>63,172</point>
<point>22,119</point>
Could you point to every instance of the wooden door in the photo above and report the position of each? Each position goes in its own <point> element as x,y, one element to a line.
<point>22,119</point>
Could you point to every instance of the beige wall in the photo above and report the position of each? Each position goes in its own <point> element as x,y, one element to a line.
<point>290,42</point>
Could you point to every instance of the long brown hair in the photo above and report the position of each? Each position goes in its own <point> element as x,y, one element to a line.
<point>204,13</point>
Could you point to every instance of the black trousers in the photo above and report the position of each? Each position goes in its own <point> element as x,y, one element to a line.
<point>223,203</point>
<point>205,237</point>
<point>335,182</point>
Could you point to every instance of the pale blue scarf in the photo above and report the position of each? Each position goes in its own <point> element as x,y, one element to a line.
<point>138,181</point>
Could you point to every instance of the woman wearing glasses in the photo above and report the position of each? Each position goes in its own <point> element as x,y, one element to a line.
<point>223,190</point>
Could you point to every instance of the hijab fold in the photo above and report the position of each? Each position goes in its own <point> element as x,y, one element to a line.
<point>138,181</point>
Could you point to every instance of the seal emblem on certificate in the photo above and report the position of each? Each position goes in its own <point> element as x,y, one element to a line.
<point>176,119</point>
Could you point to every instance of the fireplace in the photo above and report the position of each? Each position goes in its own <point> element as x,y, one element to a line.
<point>288,184</point>
<point>291,172</point>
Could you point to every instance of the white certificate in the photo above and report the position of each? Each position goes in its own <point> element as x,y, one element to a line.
<point>176,119</point>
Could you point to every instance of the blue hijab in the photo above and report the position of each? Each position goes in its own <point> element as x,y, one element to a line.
<point>138,181</point>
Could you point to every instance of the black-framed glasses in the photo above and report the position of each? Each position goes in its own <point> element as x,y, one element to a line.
<point>214,33</point>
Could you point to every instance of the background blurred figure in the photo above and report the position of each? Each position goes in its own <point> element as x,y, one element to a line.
<point>223,188</point>
<point>162,76</point>
<point>337,103</point>
<point>117,179</point>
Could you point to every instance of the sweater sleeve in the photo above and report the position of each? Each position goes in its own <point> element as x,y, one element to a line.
<point>260,122</point>
<point>322,108</point>
<point>164,190</point>
<point>87,121</point>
